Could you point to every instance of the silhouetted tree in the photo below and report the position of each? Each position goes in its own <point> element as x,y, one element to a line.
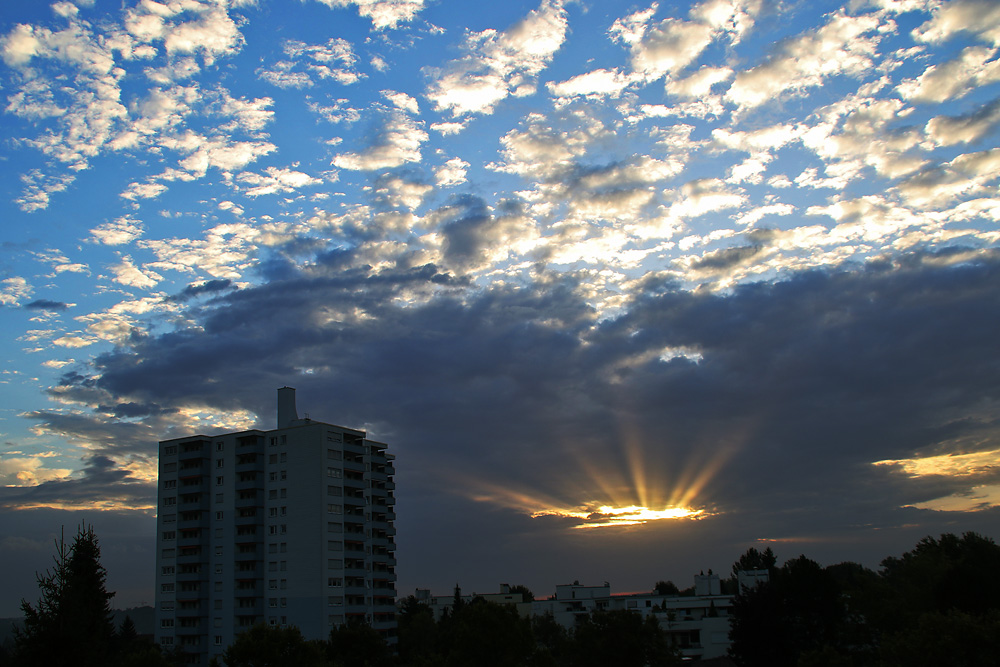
<point>357,644</point>
<point>621,637</point>
<point>417,633</point>
<point>486,634</point>
<point>524,591</point>
<point>71,624</point>
<point>799,610</point>
<point>755,560</point>
<point>666,588</point>
<point>552,641</point>
<point>952,638</point>
<point>267,646</point>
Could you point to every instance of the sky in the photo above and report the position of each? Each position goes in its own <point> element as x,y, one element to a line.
<point>627,287</point>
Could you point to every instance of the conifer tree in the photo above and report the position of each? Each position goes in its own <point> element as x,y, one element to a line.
<point>71,624</point>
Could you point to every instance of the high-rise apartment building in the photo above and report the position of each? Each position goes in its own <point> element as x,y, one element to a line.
<point>290,527</point>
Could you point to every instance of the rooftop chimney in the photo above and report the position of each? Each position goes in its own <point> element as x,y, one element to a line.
<point>286,407</point>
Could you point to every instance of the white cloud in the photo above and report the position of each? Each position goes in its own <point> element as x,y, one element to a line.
<point>211,32</point>
<point>143,191</point>
<point>334,60</point>
<point>12,290</point>
<point>398,142</point>
<point>667,47</point>
<point>128,274</point>
<point>39,187</point>
<point>973,68</point>
<point>383,13</point>
<point>699,84</point>
<point>451,172</point>
<point>979,17</point>
<point>597,83</point>
<point>123,230</point>
<point>401,101</point>
<point>276,181</point>
<point>950,130</point>
<point>499,64</point>
<point>845,45</point>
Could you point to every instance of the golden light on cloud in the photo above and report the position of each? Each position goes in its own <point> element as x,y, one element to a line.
<point>947,464</point>
<point>972,465</point>
<point>606,516</point>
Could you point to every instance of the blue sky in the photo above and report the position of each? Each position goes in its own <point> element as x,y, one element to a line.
<point>586,266</point>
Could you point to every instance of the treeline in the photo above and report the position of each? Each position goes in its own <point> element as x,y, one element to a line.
<point>481,633</point>
<point>938,604</point>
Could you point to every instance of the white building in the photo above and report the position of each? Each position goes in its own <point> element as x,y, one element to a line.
<point>290,527</point>
<point>697,625</point>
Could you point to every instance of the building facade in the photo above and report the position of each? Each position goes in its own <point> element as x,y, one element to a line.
<point>289,527</point>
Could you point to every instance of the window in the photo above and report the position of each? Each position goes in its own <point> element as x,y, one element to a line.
<point>168,553</point>
<point>334,509</point>
<point>335,601</point>
<point>272,459</point>
<point>283,565</point>
<point>273,584</point>
<point>334,491</point>
<point>334,526</point>
<point>333,455</point>
<point>219,480</point>
<point>218,497</point>
<point>167,606</point>
<point>284,602</point>
<point>218,551</point>
<point>335,545</point>
<point>335,563</point>
<point>218,640</point>
<point>218,516</point>
<point>334,582</point>
<point>334,472</point>
<point>284,510</point>
<point>170,500</point>
<point>272,512</point>
<point>219,463</point>
<point>170,484</point>
<point>273,476</point>
<point>166,623</point>
<point>169,534</point>
<point>170,450</point>
<point>218,569</point>
<point>284,457</point>
<point>272,602</point>
<point>284,584</point>
<point>283,493</point>
<point>284,547</point>
<point>284,474</point>
<point>167,569</point>
<point>166,588</point>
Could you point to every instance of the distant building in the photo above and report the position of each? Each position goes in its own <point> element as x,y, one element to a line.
<point>290,527</point>
<point>439,604</point>
<point>697,625</point>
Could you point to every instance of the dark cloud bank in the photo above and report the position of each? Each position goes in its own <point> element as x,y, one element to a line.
<point>801,385</point>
